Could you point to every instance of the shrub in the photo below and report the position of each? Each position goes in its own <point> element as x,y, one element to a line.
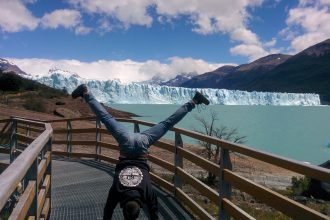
<point>299,185</point>
<point>34,104</point>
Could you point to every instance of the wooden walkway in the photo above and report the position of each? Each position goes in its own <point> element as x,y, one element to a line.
<point>80,189</point>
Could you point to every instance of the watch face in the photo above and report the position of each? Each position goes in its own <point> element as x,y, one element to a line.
<point>130,177</point>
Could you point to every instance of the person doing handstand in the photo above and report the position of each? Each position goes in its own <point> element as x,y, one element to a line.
<point>131,186</point>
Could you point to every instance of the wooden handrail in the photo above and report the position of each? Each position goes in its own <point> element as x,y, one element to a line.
<point>10,178</point>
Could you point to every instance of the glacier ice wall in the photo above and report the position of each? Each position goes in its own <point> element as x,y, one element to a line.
<point>115,92</point>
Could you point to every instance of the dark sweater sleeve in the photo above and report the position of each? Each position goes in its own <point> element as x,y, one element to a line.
<point>152,203</point>
<point>111,204</point>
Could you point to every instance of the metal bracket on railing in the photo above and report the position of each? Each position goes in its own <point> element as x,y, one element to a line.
<point>69,138</point>
<point>98,139</point>
<point>224,186</point>
<point>13,141</point>
<point>136,128</point>
<point>178,162</point>
<point>27,132</point>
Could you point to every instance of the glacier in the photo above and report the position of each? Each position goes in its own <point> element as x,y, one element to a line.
<point>112,91</point>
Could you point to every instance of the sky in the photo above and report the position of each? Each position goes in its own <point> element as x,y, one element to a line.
<point>135,40</point>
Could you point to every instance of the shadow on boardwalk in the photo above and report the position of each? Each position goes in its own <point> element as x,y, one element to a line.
<point>80,189</point>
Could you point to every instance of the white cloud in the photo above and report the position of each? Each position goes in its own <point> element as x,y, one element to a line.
<point>304,3</point>
<point>225,17</point>
<point>63,17</point>
<point>16,17</point>
<point>308,24</point>
<point>270,43</point>
<point>251,51</point>
<point>125,70</point>
<point>128,12</point>
<point>82,30</point>
<point>244,35</point>
<point>206,16</point>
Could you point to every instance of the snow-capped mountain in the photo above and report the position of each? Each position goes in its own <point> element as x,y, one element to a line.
<point>155,80</point>
<point>112,91</point>
<point>179,79</point>
<point>7,67</point>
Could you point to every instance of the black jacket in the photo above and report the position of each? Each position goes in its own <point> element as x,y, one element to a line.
<point>131,182</point>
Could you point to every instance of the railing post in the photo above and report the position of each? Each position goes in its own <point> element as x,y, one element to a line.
<point>178,162</point>
<point>32,174</point>
<point>224,186</point>
<point>13,141</point>
<point>136,128</point>
<point>69,138</point>
<point>49,172</point>
<point>98,139</point>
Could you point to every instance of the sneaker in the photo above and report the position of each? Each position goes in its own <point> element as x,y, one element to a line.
<point>200,99</point>
<point>79,91</point>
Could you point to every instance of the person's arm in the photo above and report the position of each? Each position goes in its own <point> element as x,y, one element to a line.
<point>152,203</point>
<point>111,204</point>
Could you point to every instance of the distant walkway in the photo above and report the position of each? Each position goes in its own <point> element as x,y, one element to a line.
<point>80,189</point>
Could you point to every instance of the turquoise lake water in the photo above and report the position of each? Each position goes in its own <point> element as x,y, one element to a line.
<point>297,132</point>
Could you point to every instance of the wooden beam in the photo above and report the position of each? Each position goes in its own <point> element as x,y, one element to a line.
<point>93,143</point>
<point>109,146</point>
<point>41,200</point>
<point>46,183</point>
<point>162,163</point>
<point>108,159</point>
<point>41,170</point>
<point>45,209</point>
<point>199,185</point>
<point>31,128</point>
<point>81,155</point>
<point>161,182</point>
<point>193,205</point>
<point>29,122</point>
<point>75,130</point>
<point>24,203</point>
<point>236,212</point>
<point>200,161</point>
<point>165,146</point>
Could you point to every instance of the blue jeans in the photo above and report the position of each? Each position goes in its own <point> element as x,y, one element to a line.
<point>136,144</point>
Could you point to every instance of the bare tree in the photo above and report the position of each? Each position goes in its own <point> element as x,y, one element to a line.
<point>210,127</point>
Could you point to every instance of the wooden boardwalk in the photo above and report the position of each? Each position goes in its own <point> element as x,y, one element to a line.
<point>80,189</point>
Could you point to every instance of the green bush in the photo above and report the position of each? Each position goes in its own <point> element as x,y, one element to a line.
<point>299,185</point>
<point>34,104</point>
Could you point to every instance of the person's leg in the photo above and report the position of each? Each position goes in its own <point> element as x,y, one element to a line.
<point>118,131</point>
<point>157,131</point>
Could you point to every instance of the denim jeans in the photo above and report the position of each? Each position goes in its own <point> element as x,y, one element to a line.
<point>130,143</point>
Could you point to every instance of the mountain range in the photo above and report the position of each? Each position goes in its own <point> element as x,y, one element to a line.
<point>305,72</point>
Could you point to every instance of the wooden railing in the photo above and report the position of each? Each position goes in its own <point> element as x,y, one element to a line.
<point>28,175</point>
<point>32,168</point>
<point>228,178</point>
